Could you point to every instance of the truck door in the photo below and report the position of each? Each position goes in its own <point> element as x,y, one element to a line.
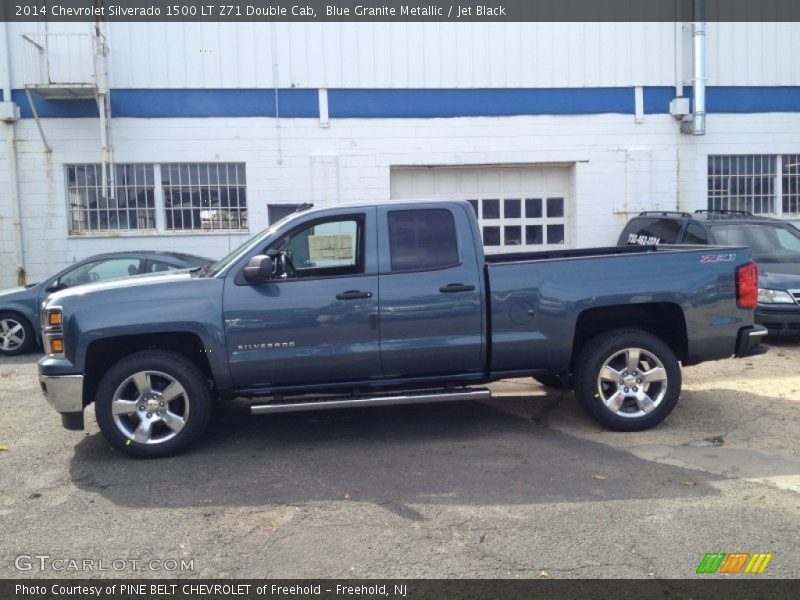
<point>431,302</point>
<point>316,320</point>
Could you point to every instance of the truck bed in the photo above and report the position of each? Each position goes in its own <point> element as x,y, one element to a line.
<point>537,299</point>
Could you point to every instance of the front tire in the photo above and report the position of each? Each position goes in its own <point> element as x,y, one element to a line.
<point>16,334</point>
<point>627,380</point>
<point>153,403</point>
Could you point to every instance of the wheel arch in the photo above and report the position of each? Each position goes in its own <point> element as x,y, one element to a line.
<point>103,353</point>
<point>665,320</point>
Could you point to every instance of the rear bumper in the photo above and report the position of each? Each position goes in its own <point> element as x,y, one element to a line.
<point>780,321</point>
<point>749,341</point>
<point>65,394</point>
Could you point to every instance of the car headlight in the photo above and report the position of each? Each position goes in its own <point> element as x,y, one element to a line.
<point>52,323</point>
<point>774,297</point>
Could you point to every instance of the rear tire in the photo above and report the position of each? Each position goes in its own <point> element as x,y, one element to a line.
<point>16,334</point>
<point>153,403</point>
<point>627,379</point>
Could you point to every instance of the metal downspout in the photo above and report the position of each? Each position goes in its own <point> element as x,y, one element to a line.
<point>11,159</point>
<point>699,68</point>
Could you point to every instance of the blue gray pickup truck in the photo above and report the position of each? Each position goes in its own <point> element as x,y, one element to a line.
<point>390,304</point>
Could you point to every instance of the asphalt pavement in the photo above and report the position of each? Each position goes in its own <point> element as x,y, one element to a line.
<point>522,486</point>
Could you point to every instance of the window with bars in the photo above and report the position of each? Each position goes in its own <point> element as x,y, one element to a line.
<point>192,197</point>
<point>130,206</point>
<point>531,222</point>
<point>790,185</point>
<point>760,184</point>
<point>204,196</point>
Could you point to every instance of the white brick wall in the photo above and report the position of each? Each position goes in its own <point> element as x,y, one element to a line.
<point>619,165</point>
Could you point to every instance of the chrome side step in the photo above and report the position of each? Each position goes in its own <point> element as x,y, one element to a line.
<point>393,400</point>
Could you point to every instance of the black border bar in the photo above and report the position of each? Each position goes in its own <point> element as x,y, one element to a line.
<point>705,587</point>
<point>394,10</point>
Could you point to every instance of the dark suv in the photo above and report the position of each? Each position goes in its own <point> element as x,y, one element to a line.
<point>775,245</point>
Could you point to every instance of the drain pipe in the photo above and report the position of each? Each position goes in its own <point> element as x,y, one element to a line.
<point>699,68</point>
<point>11,114</point>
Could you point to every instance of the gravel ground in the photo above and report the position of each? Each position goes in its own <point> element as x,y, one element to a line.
<point>523,486</point>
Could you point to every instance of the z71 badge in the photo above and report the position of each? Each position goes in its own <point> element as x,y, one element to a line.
<point>717,258</point>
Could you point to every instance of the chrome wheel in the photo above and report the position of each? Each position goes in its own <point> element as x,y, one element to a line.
<point>12,334</point>
<point>150,407</point>
<point>632,383</point>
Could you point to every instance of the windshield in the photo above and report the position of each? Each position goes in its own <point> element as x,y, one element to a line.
<point>768,243</point>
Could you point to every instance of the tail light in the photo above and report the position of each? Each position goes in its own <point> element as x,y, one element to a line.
<point>747,286</point>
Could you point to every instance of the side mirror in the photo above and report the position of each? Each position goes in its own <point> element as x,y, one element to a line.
<point>258,269</point>
<point>56,286</point>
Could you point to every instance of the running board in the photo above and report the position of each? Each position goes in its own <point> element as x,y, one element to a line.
<point>411,398</point>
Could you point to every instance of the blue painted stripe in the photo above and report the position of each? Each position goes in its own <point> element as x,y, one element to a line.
<point>64,109</point>
<point>186,103</point>
<point>657,99</point>
<point>405,103</point>
<point>478,103</point>
<point>752,99</point>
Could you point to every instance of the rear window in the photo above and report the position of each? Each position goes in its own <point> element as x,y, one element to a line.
<point>422,239</point>
<point>695,234</point>
<point>648,231</point>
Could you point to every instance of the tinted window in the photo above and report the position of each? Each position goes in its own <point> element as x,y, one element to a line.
<point>768,243</point>
<point>491,236</point>
<point>491,209</point>
<point>422,239</point>
<point>512,209</point>
<point>533,208</point>
<point>555,207</point>
<point>101,270</point>
<point>649,231</point>
<point>695,234</point>
<point>555,234</point>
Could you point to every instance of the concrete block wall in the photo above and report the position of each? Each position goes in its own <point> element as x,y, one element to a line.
<point>619,167</point>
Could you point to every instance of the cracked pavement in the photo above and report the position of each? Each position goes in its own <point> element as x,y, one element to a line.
<point>523,486</point>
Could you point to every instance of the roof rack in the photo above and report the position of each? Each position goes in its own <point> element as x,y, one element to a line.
<point>665,213</point>
<point>722,211</point>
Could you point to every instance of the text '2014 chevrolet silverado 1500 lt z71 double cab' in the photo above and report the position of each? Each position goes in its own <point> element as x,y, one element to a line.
<point>390,304</point>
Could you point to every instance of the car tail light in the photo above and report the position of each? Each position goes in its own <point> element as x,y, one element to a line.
<point>747,286</point>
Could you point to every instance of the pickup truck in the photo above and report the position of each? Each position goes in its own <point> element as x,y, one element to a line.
<point>390,304</point>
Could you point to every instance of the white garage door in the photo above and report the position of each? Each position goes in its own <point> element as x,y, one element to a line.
<point>518,208</point>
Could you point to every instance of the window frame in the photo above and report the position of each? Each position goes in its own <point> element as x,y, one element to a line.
<point>503,222</point>
<point>777,178</point>
<point>361,223</point>
<point>160,228</point>
<point>97,188</point>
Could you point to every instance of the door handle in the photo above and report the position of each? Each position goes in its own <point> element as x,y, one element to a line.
<point>452,288</point>
<point>353,295</point>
